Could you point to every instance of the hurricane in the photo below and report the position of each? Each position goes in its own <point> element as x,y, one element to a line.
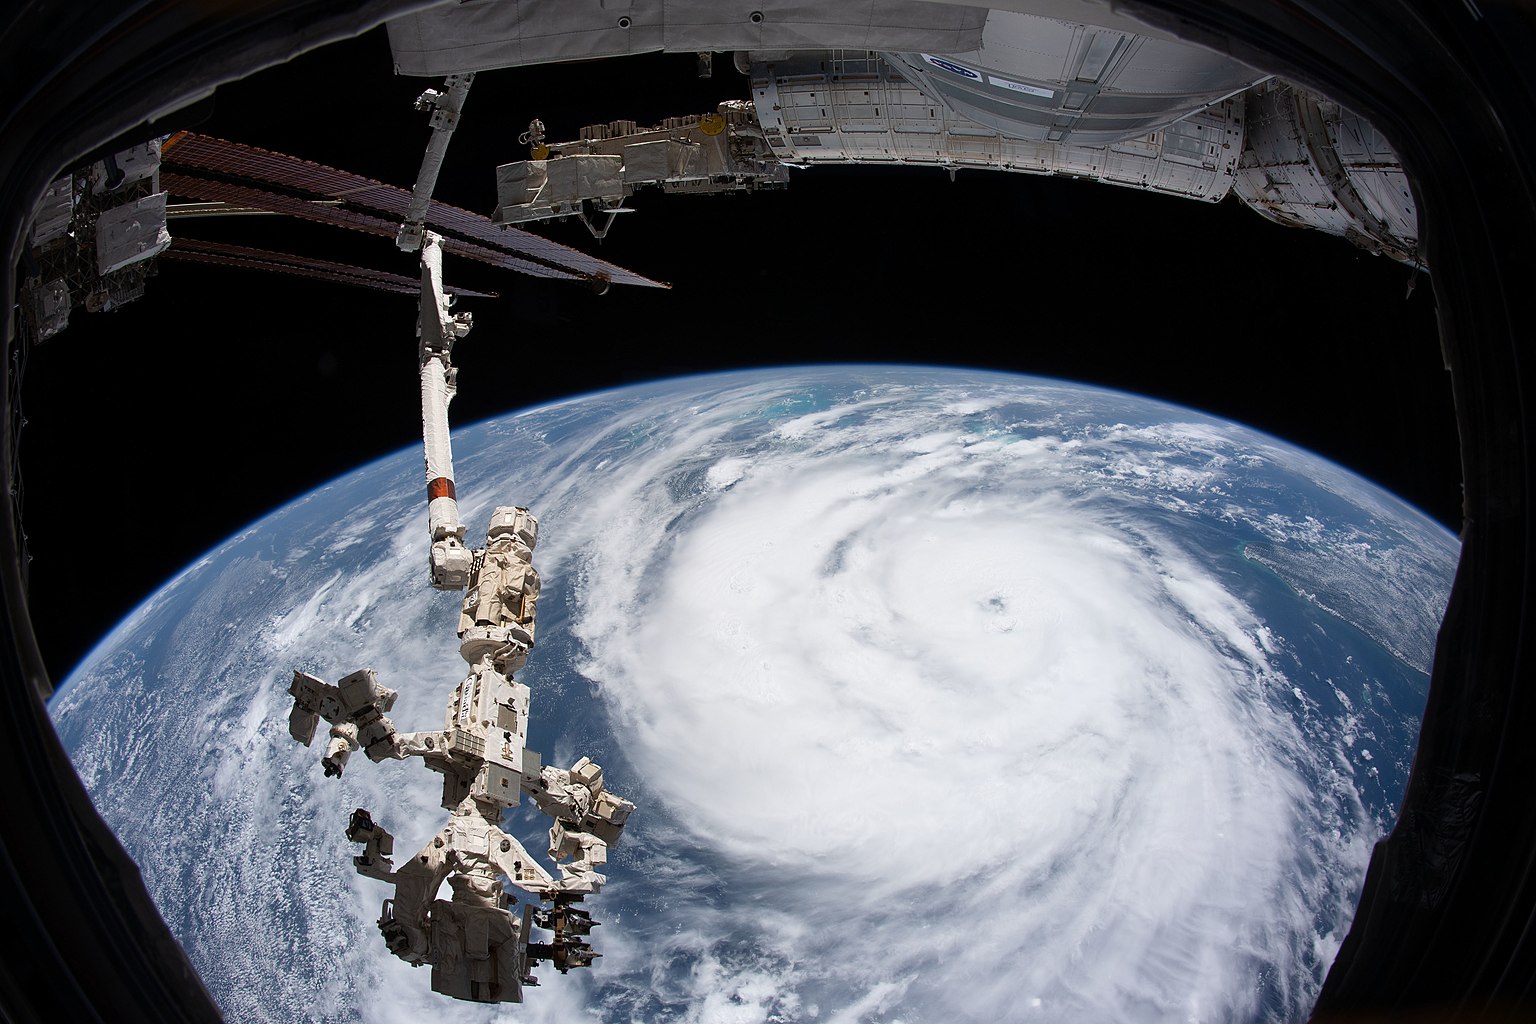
<point>997,736</point>
<point>943,695</point>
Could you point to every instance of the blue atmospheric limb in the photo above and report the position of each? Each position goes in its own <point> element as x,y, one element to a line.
<point>916,671</point>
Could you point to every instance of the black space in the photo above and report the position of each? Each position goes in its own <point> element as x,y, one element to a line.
<point>155,431</point>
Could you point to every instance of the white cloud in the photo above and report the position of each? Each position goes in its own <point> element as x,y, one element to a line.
<point>927,718</point>
<point>893,667</point>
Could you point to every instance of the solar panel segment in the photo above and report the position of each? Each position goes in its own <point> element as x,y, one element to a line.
<point>196,250</point>
<point>203,167</point>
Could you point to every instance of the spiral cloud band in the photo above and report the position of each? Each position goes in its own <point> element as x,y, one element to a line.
<point>930,656</point>
<point>944,697</point>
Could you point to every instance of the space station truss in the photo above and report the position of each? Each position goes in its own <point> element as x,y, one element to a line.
<point>213,170</point>
<point>713,153</point>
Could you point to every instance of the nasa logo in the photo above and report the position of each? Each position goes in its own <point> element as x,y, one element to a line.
<point>951,67</point>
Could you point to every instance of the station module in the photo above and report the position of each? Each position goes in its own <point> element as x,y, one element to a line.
<point>1069,88</point>
<point>477,947</point>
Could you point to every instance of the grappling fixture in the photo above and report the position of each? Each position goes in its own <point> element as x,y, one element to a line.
<point>478,948</point>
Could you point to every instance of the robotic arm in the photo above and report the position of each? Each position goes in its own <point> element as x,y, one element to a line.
<point>477,948</point>
<point>588,819</point>
<point>436,330</point>
<point>355,707</point>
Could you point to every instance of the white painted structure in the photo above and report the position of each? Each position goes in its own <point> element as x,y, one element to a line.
<point>1061,87</point>
<point>478,949</point>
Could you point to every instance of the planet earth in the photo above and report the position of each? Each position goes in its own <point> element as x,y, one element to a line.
<point>944,696</point>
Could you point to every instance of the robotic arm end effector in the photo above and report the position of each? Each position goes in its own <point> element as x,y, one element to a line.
<point>451,563</point>
<point>343,742</point>
<point>378,846</point>
<point>355,707</point>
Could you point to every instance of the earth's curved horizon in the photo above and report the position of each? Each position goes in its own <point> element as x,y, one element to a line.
<point>944,694</point>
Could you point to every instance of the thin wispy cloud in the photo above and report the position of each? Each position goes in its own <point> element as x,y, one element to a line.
<point>944,696</point>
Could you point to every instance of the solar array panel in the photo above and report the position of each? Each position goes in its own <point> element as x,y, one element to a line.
<point>197,251</point>
<point>203,167</point>
<point>212,190</point>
